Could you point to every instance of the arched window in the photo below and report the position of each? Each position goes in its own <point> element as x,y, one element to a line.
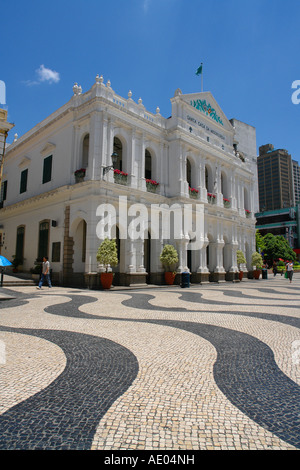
<point>43,239</point>
<point>224,185</point>
<point>148,165</point>
<point>206,178</point>
<point>85,151</point>
<point>118,149</point>
<point>20,242</point>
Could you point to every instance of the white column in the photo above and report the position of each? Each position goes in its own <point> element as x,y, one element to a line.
<point>95,148</point>
<point>203,260</point>
<point>131,159</point>
<point>202,189</point>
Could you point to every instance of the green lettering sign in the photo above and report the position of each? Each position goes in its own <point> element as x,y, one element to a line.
<point>207,109</point>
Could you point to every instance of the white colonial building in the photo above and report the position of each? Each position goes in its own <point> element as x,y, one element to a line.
<point>197,156</point>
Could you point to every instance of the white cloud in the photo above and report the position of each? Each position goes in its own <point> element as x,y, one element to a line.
<point>44,75</point>
<point>47,75</point>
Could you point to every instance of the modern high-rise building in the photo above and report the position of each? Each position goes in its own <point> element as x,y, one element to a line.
<point>296,177</point>
<point>275,178</point>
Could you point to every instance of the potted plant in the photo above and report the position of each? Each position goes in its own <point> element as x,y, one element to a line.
<point>120,177</point>
<point>257,262</point>
<point>16,262</point>
<point>240,258</point>
<point>151,185</point>
<point>108,256</point>
<point>79,175</point>
<point>169,259</point>
<point>193,192</point>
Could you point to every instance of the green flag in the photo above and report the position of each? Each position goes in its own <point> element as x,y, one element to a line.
<point>199,70</point>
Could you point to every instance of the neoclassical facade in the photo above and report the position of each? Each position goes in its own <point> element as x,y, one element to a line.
<point>196,158</point>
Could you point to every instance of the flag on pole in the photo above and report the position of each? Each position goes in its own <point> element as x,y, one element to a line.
<point>199,70</point>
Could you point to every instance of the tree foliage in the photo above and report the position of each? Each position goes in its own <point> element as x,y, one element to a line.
<point>169,257</point>
<point>257,260</point>
<point>260,245</point>
<point>107,253</point>
<point>240,257</point>
<point>276,247</point>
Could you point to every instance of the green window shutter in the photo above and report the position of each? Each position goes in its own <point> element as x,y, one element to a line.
<point>47,171</point>
<point>43,240</point>
<point>3,191</point>
<point>20,243</point>
<point>23,181</point>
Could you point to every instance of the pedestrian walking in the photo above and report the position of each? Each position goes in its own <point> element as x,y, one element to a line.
<point>290,270</point>
<point>45,273</point>
<point>274,268</point>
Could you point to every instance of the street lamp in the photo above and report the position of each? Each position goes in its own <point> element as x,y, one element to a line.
<point>4,128</point>
<point>114,158</point>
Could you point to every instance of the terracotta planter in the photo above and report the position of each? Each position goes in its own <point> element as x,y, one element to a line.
<point>241,275</point>
<point>256,273</point>
<point>170,278</point>
<point>106,280</point>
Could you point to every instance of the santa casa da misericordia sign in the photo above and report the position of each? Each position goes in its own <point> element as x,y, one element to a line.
<point>207,109</point>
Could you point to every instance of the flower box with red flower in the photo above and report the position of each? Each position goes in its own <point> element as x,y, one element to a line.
<point>120,177</point>
<point>227,202</point>
<point>193,192</point>
<point>80,174</point>
<point>211,198</point>
<point>151,185</point>
<point>248,213</point>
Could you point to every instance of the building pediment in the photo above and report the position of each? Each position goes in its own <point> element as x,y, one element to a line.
<point>204,106</point>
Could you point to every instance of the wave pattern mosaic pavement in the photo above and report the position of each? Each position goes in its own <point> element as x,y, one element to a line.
<point>210,367</point>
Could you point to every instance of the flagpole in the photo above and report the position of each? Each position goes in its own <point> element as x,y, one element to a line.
<point>202,78</point>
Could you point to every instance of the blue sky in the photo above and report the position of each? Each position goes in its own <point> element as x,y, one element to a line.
<point>249,50</point>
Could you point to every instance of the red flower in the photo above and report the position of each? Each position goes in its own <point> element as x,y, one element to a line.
<point>82,170</point>
<point>119,172</point>
<point>154,183</point>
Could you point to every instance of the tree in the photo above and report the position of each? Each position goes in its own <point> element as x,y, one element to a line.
<point>276,246</point>
<point>240,257</point>
<point>260,245</point>
<point>256,260</point>
<point>169,257</point>
<point>107,253</point>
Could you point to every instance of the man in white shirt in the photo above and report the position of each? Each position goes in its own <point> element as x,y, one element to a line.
<point>289,268</point>
<point>45,273</point>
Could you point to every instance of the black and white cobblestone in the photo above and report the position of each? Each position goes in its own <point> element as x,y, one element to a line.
<point>210,367</point>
